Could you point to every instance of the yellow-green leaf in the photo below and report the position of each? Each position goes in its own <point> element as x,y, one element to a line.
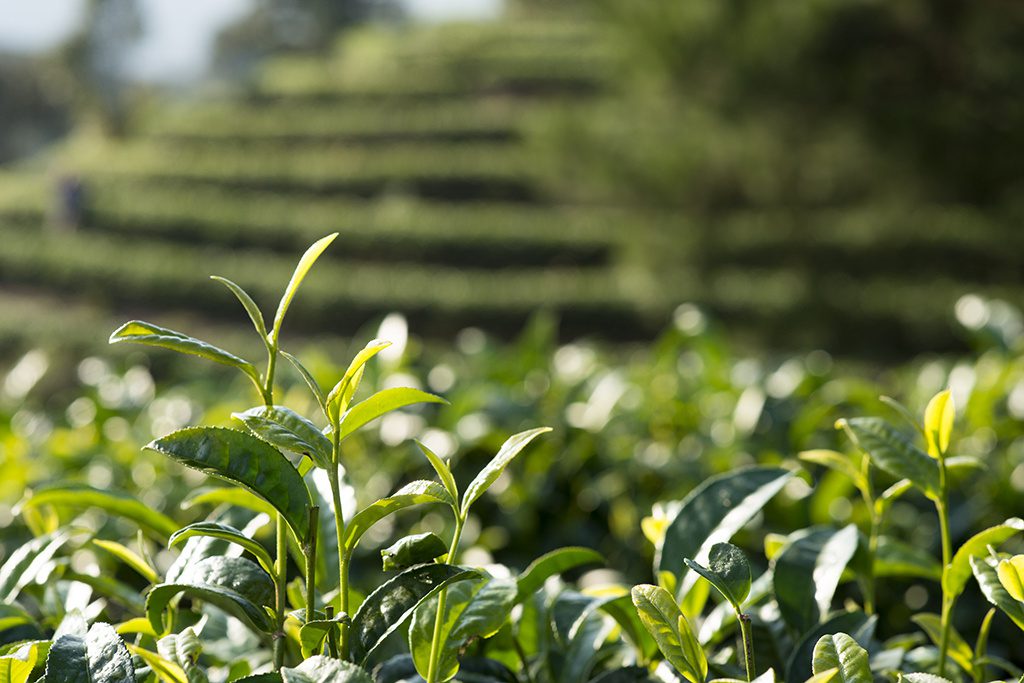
<point>1011,575</point>
<point>305,263</point>
<point>938,422</point>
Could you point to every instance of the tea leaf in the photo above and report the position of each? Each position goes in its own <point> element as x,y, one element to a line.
<point>840,651</point>
<point>959,570</point>
<point>490,473</point>
<point>235,585</point>
<point>340,396</point>
<point>136,625</point>
<point>320,669</point>
<point>475,608</point>
<point>840,462</point>
<point>255,315</point>
<point>129,557</point>
<point>18,666</point>
<point>894,453</point>
<point>921,678</point>
<point>227,533</point>
<point>149,334</point>
<point>246,460</point>
<point>27,562</point>
<point>807,574</point>
<point>111,502</point>
<point>959,651</point>
<point>386,608</point>
<point>301,270</point>
<point>166,670</point>
<point>712,513</point>
<point>586,637</point>
<point>985,571</point>
<point>381,403</point>
<point>938,423</point>
<point>858,624</point>
<point>728,572</point>
<point>413,550</point>
<point>662,618</point>
<point>414,493</point>
<point>237,497</point>
<point>289,431</point>
<point>554,562</point>
<point>895,558</point>
<point>100,656</point>
<point>12,615</point>
<point>1009,572</point>
<point>308,378</point>
<point>444,472</point>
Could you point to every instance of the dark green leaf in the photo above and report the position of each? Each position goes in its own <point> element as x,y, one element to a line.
<point>111,502</point>
<point>152,335</point>
<point>895,558</point>
<point>98,657</point>
<point>554,562</point>
<point>288,431</point>
<point>475,608</point>
<point>894,453</point>
<point>392,603</point>
<point>381,403</point>
<point>665,622</point>
<point>858,624</point>
<point>414,493</point>
<point>246,460</point>
<point>236,585</point>
<point>712,513</point>
<point>807,573</point>
<point>840,651</point>
<point>226,533</point>
<point>959,570</point>
<point>490,473</point>
<point>728,571</point>
<point>413,550</point>
<point>320,669</point>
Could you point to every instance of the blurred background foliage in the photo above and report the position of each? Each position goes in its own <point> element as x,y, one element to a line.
<point>688,235</point>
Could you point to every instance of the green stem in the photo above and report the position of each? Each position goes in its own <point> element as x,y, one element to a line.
<point>339,527</point>
<point>268,387</point>
<point>435,642</point>
<point>747,630</point>
<point>869,580</point>
<point>281,580</point>
<point>310,552</point>
<point>942,508</point>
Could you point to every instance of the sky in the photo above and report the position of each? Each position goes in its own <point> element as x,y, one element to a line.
<point>179,34</point>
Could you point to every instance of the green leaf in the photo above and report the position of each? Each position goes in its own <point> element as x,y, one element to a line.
<point>339,397</point>
<point>959,651</point>
<point>111,502</point>
<point>894,453</point>
<point>490,473</point>
<point>386,608</point>
<point>859,624</point>
<point>1010,572</point>
<point>12,615</point>
<point>228,496</point>
<point>381,403</point>
<point>255,315</point>
<point>305,263</point>
<point>665,622</point>
<point>840,462</point>
<point>320,669</point>
<point>27,563</point>
<point>308,378</point>
<point>444,472</point>
<point>413,550</point>
<point>807,574</point>
<point>243,459</point>
<point>18,666</point>
<point>142,332</point>
<point>313,633</point>
<point>840,651</point>
<point>184,649</point>
<point>129,557</point>
<point>895,558</point>
<point>473,609</point>
<point>921,678</point>
<point>985,571</point>
<point>549,564</point>
<point>288,431</point>
<point>728,571</point>
<point>413,493</point>
<point>959,570</point>
<point>166,670</point>
<point>235,585</point>
<point>712,513</point>
<point>98,657</point>
<point>938,422</point>
<point>227,533</point>
<point>583,651</point>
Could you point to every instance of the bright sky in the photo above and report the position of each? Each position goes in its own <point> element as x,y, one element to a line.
<point>179,34</point>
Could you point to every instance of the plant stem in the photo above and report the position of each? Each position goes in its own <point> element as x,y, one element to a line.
<point>280,579</point>
<point>942,508</point>
<point>339,528</point>
<point>310,552</point>
<point>747,629</point>
<point>869,580</point>
<point>435,642</point>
